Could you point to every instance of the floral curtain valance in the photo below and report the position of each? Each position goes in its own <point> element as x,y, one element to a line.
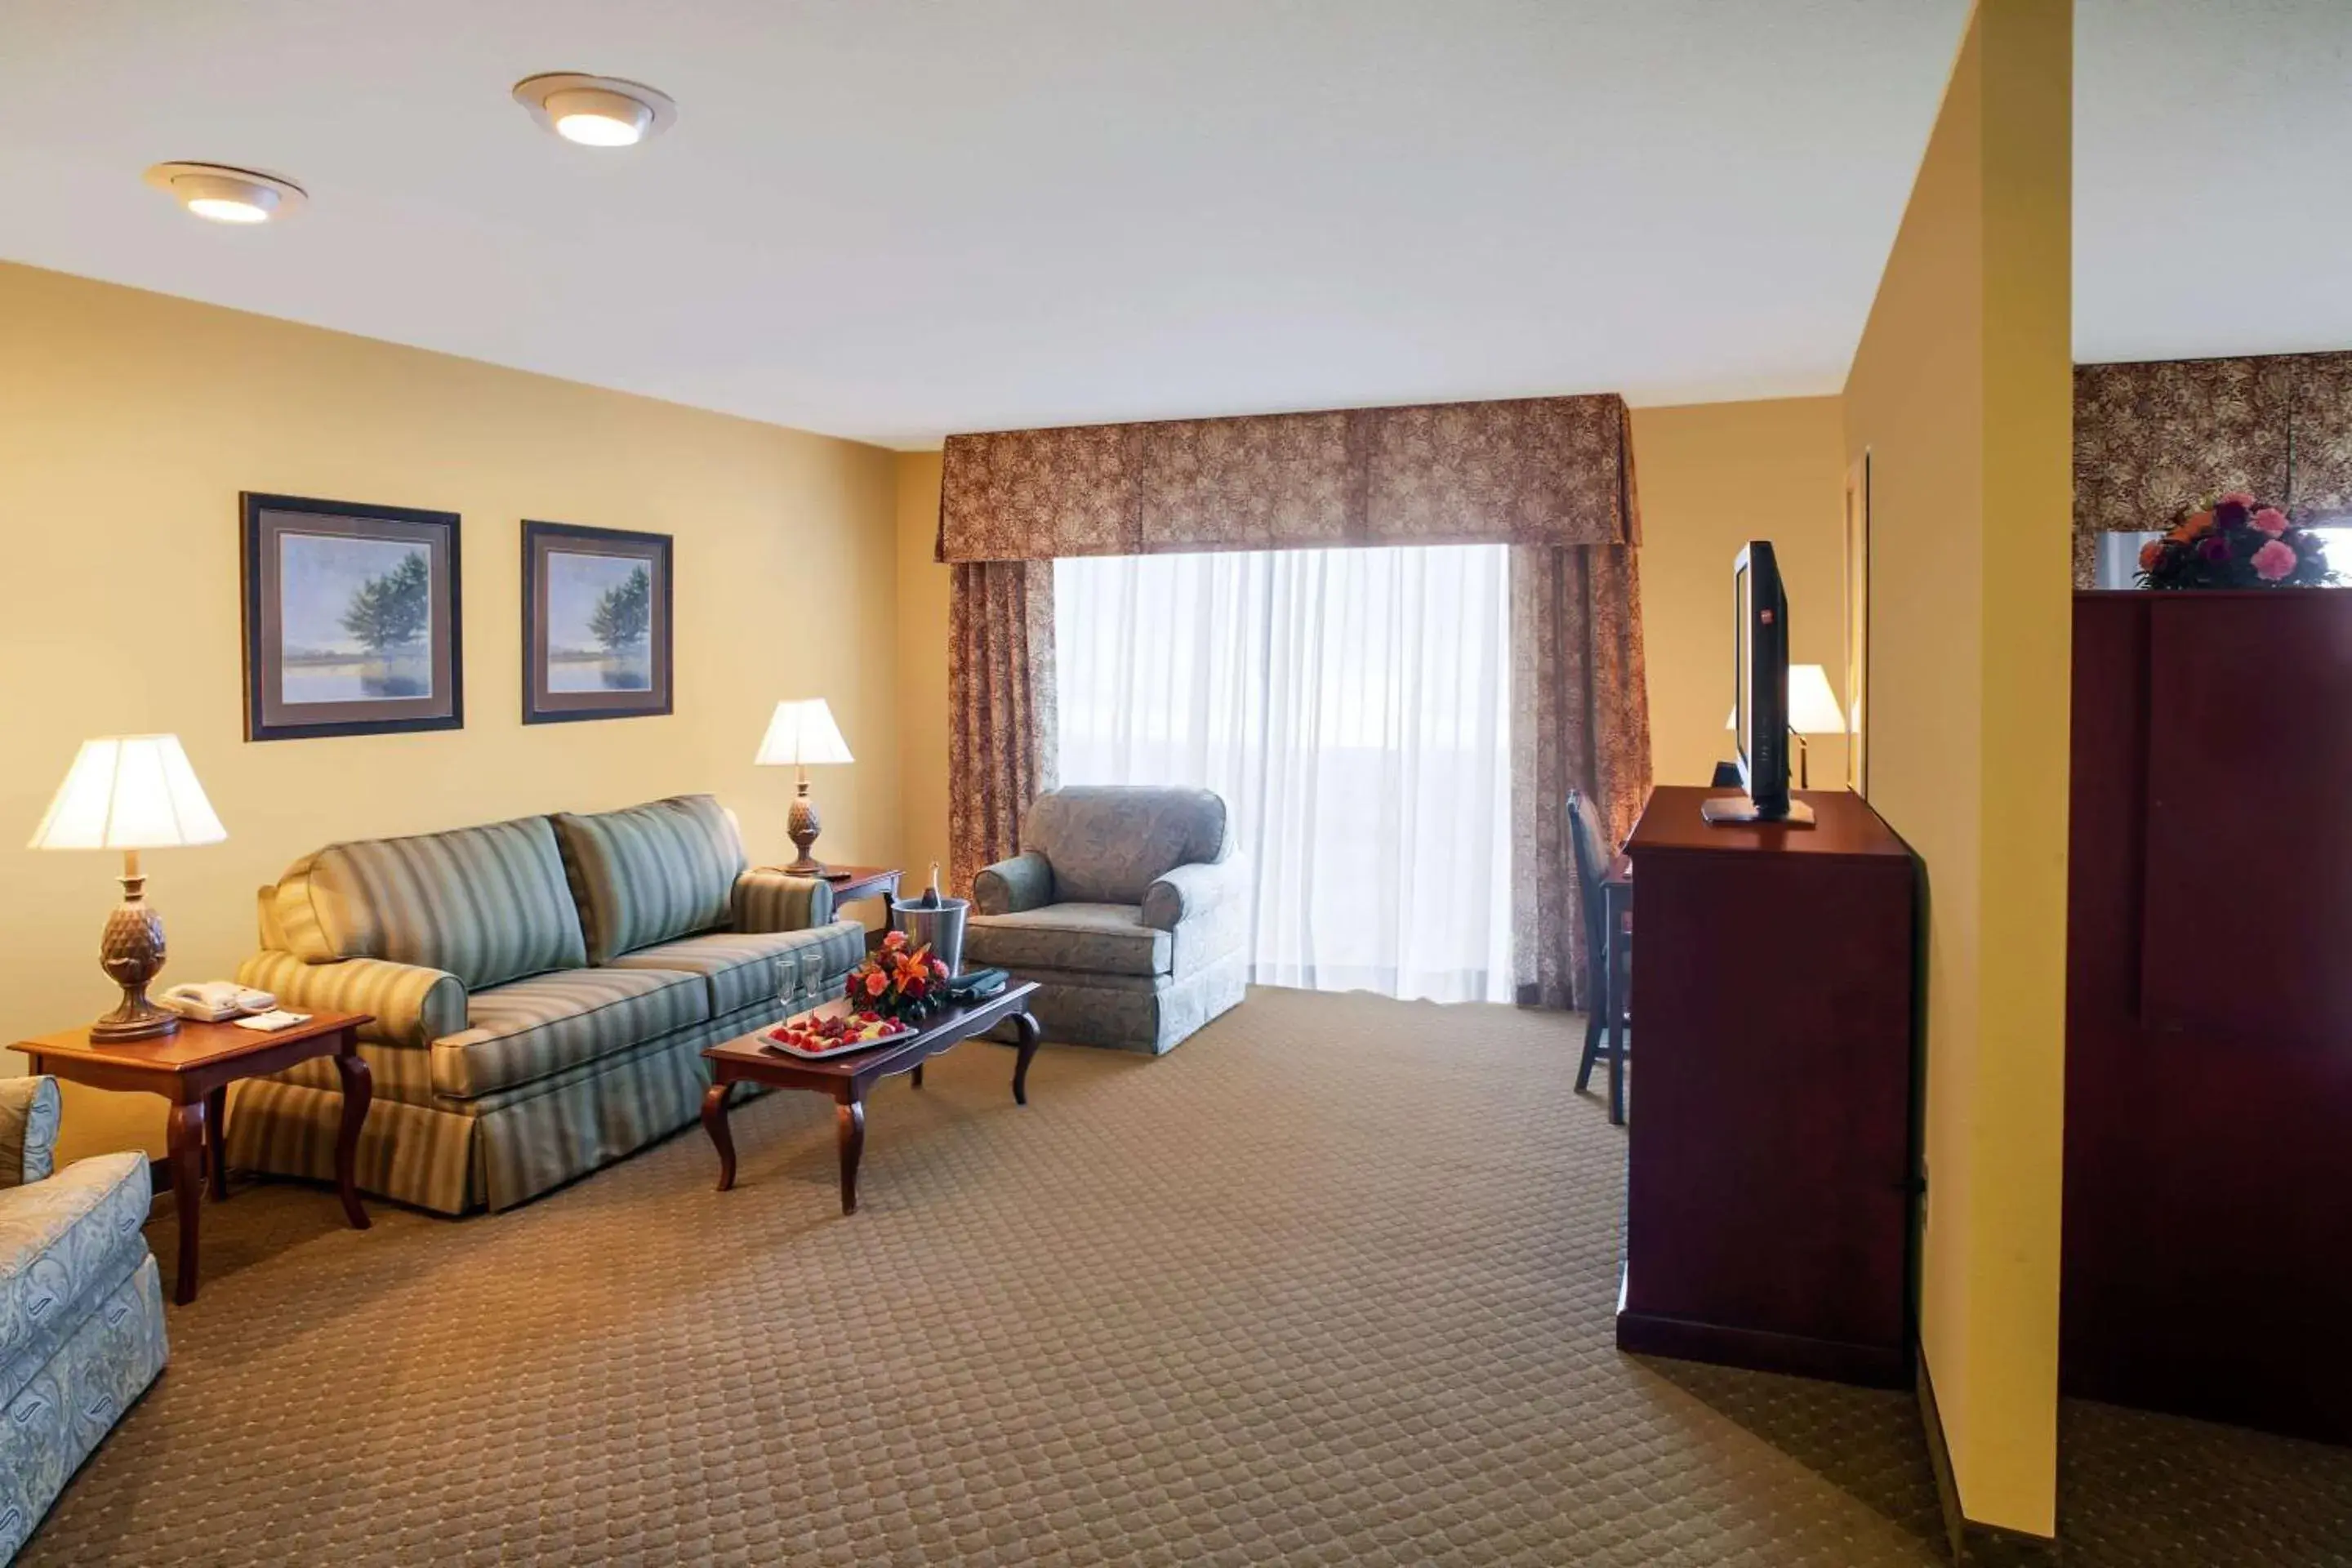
<point>2155,438</point>
<point>1541,470</point>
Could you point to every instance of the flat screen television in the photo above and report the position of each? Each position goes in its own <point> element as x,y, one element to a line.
<point>1759,693</point>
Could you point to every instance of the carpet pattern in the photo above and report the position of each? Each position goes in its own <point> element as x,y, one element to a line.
<point>1329,1284</point>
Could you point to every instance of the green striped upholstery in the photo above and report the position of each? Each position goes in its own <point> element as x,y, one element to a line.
<point>744,967</point>
<point>28,1130</point>
<point>769,899</point>
<point>651,872</point>
<point>487,904</point>
<point>521,1032</point>
<point>453,1155</point>
<point>412,1006</point>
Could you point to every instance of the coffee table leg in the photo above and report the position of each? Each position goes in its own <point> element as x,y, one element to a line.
<point>216,1154</point>
<point>849,1125</point>
<point>919,1074</point>
<point>1025,1026</point>
<point>185,1142</point>
<point>714,1121</point>
<point>359,1090</point>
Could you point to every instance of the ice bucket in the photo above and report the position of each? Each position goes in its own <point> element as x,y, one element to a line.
<point>940,926</point>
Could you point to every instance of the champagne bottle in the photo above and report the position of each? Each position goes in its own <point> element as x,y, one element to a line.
<point>931,893</point>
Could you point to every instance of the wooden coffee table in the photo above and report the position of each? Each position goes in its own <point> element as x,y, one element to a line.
<point>845,1080</point>
<point>192,1068</point>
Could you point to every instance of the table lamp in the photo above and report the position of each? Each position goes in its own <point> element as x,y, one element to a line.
<point>1812,710</point>
<point>130,792</point>
<point>801,733</point>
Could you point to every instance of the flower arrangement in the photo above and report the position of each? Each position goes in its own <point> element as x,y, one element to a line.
<point>899,980</point>
<point>2236,541</point>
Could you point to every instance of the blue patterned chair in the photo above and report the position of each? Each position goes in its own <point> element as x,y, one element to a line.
<point>1128,906</point>
<point>81,1304</point>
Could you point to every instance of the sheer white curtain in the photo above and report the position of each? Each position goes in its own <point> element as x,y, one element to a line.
<point>1353,707</point>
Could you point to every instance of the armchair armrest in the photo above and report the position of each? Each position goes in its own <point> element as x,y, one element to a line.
<point>28,1130</point>
<point>767,899</point>
<point>1190,892</point>
<point>412,1005</point>
<point>1023,882</point>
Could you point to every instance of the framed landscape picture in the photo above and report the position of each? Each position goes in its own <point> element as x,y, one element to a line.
<point>350,619</point>
<point>595,623</point>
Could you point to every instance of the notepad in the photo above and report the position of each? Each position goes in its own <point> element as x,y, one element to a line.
<point>269,1023</point>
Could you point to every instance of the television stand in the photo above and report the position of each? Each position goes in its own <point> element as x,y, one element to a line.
<point>1738,810</point>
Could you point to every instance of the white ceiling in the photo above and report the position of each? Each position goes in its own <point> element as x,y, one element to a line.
<point>2212,177</point>
<point>895,218</point>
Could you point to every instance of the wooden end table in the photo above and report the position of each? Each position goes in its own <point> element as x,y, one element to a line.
<point>850,883</point>
<point>845,1080</point>
<point>193,1070</point>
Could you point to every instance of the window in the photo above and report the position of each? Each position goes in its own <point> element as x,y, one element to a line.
<point>1353,707</point>
<point>2117,564</point>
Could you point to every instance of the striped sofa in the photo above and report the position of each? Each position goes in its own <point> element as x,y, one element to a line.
<point>543,990</point>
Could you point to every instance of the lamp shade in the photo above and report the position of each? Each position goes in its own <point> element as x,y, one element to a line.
<point>129,791</point>
<point>800,733</point>
<point>1812,707</point>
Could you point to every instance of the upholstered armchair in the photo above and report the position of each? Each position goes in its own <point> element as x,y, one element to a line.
<point>1128,906</point>
<point>81,1303</point>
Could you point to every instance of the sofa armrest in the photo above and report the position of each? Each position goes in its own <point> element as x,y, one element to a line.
<point>767,899</point>
<point>28,1130</point>
<point>1190,892</point>
<point>1023,882</point>
<point>412,1005</point>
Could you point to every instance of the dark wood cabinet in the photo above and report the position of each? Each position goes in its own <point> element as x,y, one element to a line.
<point>2207,1259</point>
<point>1770,1191</point>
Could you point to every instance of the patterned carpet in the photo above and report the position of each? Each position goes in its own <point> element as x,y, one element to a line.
<point>1330,1284</point>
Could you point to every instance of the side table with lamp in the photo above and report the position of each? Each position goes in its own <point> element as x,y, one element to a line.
<point>800,733</point>
<point>137,792</point>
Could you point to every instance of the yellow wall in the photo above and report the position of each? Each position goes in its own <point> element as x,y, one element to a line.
<point>922,668</point>
<point>129,421</point>
<point>1712,477</point>
<point>1961,392</point>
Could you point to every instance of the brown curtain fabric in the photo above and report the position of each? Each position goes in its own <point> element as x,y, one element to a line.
<point>2155,438</point>
<point>1001,719</point>
<point>1540,470</point>
<point>1581,720</point>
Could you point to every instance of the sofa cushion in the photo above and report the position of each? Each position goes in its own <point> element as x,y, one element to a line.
<point>1107,843</point>
<point>522,1032</point>
<point>64,1242</point>
<point>28,1128</point>
<point>487,904</point>
<point>651,872</point>
<point>744,967</point>
<point>1103,938</point>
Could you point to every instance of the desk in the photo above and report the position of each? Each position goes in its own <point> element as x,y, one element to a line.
<point>1616,979</point>
<point>192,1068</point>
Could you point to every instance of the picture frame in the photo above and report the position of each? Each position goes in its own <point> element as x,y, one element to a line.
<point>597,624</point>
<point>353,618</point>
<point>1857,625</point>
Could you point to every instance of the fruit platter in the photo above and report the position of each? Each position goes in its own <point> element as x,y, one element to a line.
<point>833,1030</point>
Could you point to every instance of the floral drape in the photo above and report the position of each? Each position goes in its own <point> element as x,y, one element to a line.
<point>1550,476</point>
<point>2154,437</point>
<point>1581,720</point>
<point>1001,714</point>
<point>1540,470</point>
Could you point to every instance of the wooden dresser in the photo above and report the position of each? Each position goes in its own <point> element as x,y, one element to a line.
<point>1771,1190</point>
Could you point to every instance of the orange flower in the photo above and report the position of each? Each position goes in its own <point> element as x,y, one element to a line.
<point>2149,554</point>
<point>2190,527</point>
<point>875,985</point>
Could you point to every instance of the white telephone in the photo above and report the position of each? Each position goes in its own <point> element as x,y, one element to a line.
<point>214,1001</point>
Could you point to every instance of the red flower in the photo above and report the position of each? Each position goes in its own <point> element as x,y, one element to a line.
<point>2271,520</point>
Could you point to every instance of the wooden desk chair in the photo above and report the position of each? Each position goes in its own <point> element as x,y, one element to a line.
<point>1608,954</point>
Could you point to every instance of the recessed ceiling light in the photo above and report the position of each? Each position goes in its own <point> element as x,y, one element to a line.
<point>595,111</point>
<point>225,194</point>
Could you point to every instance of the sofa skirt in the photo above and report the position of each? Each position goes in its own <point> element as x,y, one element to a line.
<point>453,1156</point>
